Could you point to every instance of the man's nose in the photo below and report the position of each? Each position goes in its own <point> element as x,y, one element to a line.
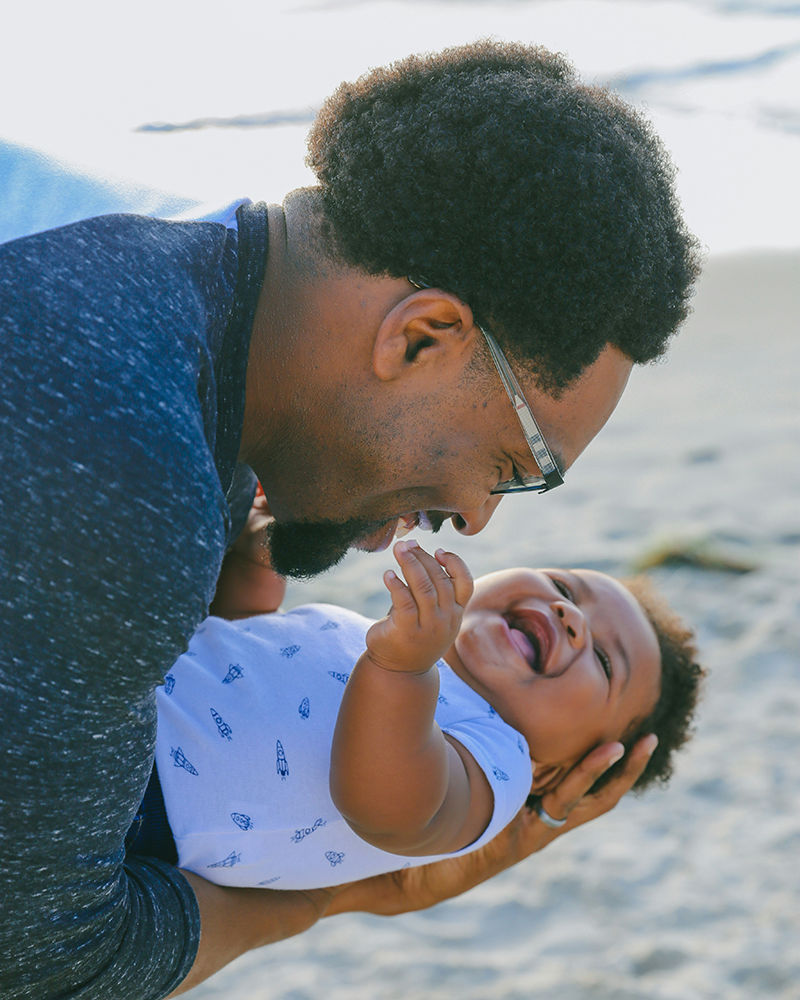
<point>573,621</point>
<point>470,522</point>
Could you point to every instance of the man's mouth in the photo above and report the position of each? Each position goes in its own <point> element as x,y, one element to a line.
<point>380,540</point>
<point>531,636</point>
<point>419,519</point>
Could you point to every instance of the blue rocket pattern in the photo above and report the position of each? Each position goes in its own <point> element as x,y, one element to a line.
<point>281,763</point>
<point>181,761</point>
<point>292,830</point>
<point>234,671</point>
<point>225,730</point>
<point>232,859</point>
<point>301,834</point>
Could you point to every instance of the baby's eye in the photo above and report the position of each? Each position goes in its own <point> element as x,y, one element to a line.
<point>562,588</point>
<point>605,662</point>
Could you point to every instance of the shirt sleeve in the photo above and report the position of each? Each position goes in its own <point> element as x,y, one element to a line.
<point>112,528</point>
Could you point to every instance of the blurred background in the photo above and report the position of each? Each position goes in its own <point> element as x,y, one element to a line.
<point>689,893</point>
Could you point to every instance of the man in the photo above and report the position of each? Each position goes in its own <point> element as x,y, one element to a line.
<point>490,240</point>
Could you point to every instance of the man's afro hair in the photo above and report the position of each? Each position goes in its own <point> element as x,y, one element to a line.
<point>492,172</point>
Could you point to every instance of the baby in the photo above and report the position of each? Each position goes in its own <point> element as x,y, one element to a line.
<point>290,757</point>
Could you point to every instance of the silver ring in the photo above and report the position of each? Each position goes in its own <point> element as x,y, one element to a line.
<point>547,819</point>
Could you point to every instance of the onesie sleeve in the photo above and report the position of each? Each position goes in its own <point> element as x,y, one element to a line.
<point>503,756</point>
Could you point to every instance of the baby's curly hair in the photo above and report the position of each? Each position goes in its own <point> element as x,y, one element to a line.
<point>491,171</point>
<point>681,683</point>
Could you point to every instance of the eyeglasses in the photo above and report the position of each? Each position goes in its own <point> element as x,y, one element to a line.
<point>550,477</point>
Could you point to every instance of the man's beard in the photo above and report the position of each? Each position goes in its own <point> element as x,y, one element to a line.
<point>302,549</point>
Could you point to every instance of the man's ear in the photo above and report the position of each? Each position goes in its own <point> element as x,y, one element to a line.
<point>545,776</point>
<point>427,328</point>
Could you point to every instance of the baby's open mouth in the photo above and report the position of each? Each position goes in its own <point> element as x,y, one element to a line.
<point>531,639</point>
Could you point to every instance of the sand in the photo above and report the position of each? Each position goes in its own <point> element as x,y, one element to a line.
<point>693,892</point>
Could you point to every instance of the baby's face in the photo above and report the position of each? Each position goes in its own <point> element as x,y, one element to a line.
<point>566,657</point>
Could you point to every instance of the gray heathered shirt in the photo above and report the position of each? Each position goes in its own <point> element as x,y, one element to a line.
<point>123,348</point>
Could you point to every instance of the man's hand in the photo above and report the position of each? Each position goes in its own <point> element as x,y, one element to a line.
<point>418,888</point>
<point>426,611</point>
<point>236,920</point>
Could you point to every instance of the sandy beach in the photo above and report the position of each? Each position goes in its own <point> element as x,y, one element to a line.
<point>692,893</point>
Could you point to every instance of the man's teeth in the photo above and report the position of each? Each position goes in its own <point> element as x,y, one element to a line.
<point>406,523</point>
<point>410,521</point>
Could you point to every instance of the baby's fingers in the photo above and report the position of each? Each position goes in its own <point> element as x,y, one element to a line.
<point>425,577</point>
<point>402,598</point>
<point>459,573</point>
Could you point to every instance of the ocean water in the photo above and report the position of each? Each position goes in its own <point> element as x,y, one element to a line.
<point>238,83</point>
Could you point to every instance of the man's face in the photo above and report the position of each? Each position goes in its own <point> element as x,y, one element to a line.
<point>426,458</point>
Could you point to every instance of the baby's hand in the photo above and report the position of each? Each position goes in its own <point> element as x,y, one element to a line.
<point>426,610</point>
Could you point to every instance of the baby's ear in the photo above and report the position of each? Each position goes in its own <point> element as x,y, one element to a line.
<point>545,776</point>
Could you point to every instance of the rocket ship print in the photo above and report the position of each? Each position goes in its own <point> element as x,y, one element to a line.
<point>232,859</point>
<point>225,730</point>
<point>234,671</point>
<point>169,684</point>
<point>305,708</point>
<point>344,678</point>
<point>328,626</point>
<point>500,775</point>
<point>289,651</point>
<point>335,857</point>
<point>281,763</point>
<point>181,761</point>
<point>242,821</point>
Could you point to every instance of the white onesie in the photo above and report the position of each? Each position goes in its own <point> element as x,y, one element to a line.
<point>245,725</point>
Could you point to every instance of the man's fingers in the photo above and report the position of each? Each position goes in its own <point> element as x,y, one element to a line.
<point>635,763</point>
<point>581,778</point>
<point>572,794</point>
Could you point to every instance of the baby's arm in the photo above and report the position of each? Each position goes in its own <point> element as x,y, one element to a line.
<point>400,783</point>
